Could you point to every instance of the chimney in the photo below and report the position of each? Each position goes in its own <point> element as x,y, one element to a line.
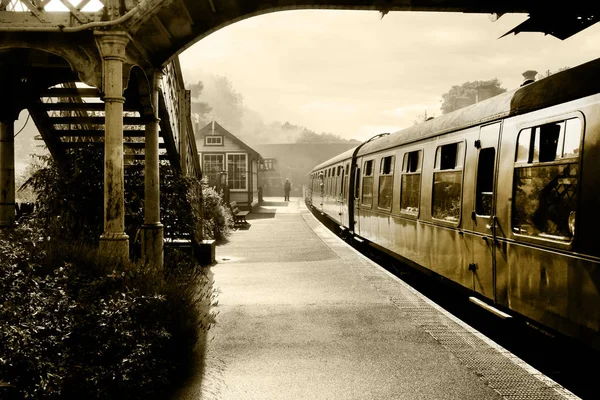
<point>529,77</point>
<point>484,92</point>
<point>463,101</point>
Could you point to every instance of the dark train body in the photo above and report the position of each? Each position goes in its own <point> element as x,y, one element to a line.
<point>501,197</point>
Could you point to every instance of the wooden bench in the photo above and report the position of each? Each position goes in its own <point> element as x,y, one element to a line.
<point>239,217</point>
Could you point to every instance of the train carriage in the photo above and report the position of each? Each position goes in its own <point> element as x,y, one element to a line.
<point>501,197</point>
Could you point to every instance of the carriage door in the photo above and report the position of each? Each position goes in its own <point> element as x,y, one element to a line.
<point>356,194</point>
<point>338,192</point>
<point>343,196</point>
<point>483,216</point>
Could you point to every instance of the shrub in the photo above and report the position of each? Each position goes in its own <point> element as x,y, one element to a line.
<point>217,216</point>
<point>70,200</point>
<point>75,325</point>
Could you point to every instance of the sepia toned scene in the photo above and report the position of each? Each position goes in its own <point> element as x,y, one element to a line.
<point>283,199</point>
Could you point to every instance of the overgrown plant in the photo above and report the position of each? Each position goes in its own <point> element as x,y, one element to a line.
<point>76,325</point>
<point>217,216</point>
<point>70,201</point>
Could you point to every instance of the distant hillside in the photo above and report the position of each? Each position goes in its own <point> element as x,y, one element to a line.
<point>215,98</point>
<point>296,160</point>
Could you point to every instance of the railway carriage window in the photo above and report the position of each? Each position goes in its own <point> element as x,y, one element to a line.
<point>523,145</point>
<point>447,186</point>
<point>545,183</point>
<point>386,180</point>
<point>321,183</point>
<point>367,184</point>
<point>572,138</point>
<point>357,183</point>
<point>411,183</point>
<point>345,183</point>
<point>485,181</point>
<point>546,142</point>
<point>338,181</point>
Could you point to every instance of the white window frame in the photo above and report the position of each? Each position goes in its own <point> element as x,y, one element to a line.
<point>220,143</point>
<point>212,154</point>
<point>246,170</point>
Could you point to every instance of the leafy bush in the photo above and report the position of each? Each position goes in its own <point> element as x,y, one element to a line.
<point>75,325</point>
<point>217,216</point>
<point>70,201</point>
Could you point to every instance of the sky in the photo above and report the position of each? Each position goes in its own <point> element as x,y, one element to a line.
<point>356,74</point>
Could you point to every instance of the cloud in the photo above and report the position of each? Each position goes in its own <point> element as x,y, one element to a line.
<point>329,107</point>
<point>337,71</point>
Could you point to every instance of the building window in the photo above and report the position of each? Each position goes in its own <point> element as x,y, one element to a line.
<point>546,179</point>
<point>213,165</point>
<point>447,182</point>
<point>213,140</point>
<point>268,164</point>
<point>237,171</point>
<point>386,180</point>
<point>411,182</point>
<point>367,184</point>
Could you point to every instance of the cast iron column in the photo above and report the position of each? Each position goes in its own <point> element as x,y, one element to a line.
<point>113,242</point>
<point>152,230</point>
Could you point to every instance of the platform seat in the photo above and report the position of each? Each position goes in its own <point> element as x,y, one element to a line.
<point>239,217</point>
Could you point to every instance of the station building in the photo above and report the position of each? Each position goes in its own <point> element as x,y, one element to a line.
<point>229,164</point>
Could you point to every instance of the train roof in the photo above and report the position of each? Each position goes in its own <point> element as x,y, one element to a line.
<point>571,84</point>
<point>340,157</point>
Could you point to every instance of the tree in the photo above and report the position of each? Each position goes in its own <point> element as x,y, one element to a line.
<point>227,104</point>
<point>452,101</point>
<point>215,97</point>
<point>200,109</point>
<point>548,73</point>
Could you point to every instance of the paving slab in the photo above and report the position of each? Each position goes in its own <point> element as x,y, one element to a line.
<point>301,315</point>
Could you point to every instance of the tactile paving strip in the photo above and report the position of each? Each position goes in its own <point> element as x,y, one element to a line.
<point>508,375</point>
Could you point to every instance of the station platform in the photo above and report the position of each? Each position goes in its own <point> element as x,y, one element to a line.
<point>301,315</point>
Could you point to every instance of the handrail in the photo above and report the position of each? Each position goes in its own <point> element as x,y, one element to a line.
<point>170,92</point>
<point>180,118</point>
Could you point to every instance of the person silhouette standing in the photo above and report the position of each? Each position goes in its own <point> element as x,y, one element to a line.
<point>287,186</point>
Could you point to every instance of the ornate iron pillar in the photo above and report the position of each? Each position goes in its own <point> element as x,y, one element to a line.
<point>113,242</point>
<point>7,172</point>
<point>152,230</point>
